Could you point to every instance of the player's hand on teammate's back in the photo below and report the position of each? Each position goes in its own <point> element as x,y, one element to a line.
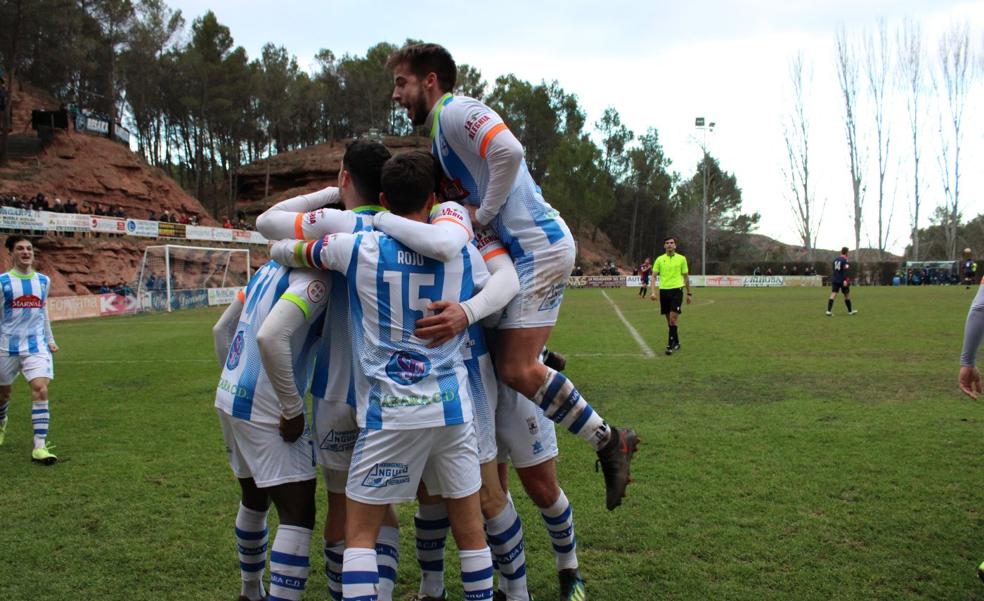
<point>448,321</point>
<point>52,347</point>
<point>291,429</point>
<point>970,381</point>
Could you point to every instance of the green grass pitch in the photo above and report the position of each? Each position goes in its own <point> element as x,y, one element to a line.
<point>786,455</point>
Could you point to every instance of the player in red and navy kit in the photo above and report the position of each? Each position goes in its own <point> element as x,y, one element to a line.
<point>840,281</point>
<point>26,341</point>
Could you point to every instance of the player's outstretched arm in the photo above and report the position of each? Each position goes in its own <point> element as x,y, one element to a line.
<point>452,318</point>
<point>441,239</point>
<point>273,340</point>
<point>969,379</point>
<point>285,219</point>
<point>224,329</point>
<point>504,155</point>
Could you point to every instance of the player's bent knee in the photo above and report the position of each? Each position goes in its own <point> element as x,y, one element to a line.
<point>492,499</point>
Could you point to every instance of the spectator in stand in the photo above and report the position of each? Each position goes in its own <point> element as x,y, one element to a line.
<point>183,219</point>
<point>166,216</point>
<point>226,223</point>
<point>71,206</point>
<point>119,212</point>
<point>152,216</point>
<point>795,270</point>
<point>193,220</point>
<point>40,202</point>
<point>768,271</point>
<point>57,207</point>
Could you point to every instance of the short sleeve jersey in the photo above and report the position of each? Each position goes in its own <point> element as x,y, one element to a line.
<point>462,131</point>
<point>670,270</point>
<point>23,331</point>
<point>841,270</point>
<point>406,384</point>
<point>244,389</point>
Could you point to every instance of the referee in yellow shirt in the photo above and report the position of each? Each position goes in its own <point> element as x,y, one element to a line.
<point>673,278</point>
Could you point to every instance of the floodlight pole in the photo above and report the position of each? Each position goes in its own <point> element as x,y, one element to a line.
<point>700,124</point>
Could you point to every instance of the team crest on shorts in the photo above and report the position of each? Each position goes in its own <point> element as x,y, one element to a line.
<point>408,367</point>
<point>235,351</point>
<point>532,425</point>
<point>554,296</point>
<point>385,474</point>
<point>339,441</point>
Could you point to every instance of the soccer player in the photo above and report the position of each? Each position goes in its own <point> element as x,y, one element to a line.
<point>277,321</point>
<point>840,281</point>
<point>414,406</point>
<point>484,164</point>
<point>671,267</point>
<point>26,342</point>
<point>968,268</point>
<point>645,271</point>
<point>969,378</point>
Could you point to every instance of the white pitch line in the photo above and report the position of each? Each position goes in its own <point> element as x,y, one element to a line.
<point>86,361</point>
<point>648,352</point>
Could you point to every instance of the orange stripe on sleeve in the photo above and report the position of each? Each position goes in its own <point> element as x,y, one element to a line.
<point>488,138</point>
<point>453,220</point>
<point>241,296</point>
<point>299,226</point>
<point>494,253</point>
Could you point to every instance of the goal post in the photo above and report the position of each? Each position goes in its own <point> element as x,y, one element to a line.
<point>174,276</point>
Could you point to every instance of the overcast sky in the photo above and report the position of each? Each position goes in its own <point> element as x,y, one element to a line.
<point>661,64</point>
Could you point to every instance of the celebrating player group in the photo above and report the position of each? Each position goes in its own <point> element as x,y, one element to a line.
<point>414,301</point>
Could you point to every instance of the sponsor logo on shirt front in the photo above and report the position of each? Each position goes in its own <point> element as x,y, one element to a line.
<point>408,367</point>
<point>28,301</point>
<point>235,351</point>
<point>385,474</point>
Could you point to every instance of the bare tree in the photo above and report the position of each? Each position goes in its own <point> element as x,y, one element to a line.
<point>878,69</point>
<point>953,81</point>
<point>847,76</point>
<point>796,130</point>
<point>911,75</point>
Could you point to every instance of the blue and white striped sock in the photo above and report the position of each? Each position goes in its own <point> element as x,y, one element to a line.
<point>289,563</point>
<point>334,555</point>
<point>559,519</point>
<point>476,574</point>
<point>564,405</point>
<point>251,539</point>
<point>505,535</point>
<point>387,560</point>
<point>40,419</point>
<point>360,578</point>
<point>432,526</point>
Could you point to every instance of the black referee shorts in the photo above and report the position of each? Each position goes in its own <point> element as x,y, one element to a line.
<point>670,301</point>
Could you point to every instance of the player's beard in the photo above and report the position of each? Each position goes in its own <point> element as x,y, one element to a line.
<point>420,111</point>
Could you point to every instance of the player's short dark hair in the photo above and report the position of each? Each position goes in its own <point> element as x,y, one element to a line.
<point>12,241</point>
<point>364,161</point>
<point>427,58</point>
<point>668,238</point>
<point>843,250</point>
<point>408,181</point>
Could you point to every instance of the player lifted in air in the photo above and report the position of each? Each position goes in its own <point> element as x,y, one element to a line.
<point>26,341</point>
<point>484,164</point>
<point>414,406</point>
<point>840,281</point>
<point>261,411</point>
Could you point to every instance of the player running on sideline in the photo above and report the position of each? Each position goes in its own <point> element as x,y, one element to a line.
<point>414,406</point>
<point>26,342</point>
<point>969,378</point>
<point>840,281</point>
<point>261,410</point>
<point>671,267</point>
<point>484,163</point>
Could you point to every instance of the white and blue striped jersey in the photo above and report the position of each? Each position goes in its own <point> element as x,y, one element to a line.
<point>24,328</point>
<point>462,130</point>
<point>405,385</point>
<point>244,389</point>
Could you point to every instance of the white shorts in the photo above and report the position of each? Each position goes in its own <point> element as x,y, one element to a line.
<point>484,393</point>
<point>542,280</point>
<point>387,465</point>
<point>33,366</point>
<point>523,432</point>
<point>257,451</point>
<point>335,432</point>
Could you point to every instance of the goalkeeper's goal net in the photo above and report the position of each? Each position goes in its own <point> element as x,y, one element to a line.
<point>178,277</point>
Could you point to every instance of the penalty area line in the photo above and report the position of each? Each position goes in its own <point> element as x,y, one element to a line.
<point>648,352</point>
